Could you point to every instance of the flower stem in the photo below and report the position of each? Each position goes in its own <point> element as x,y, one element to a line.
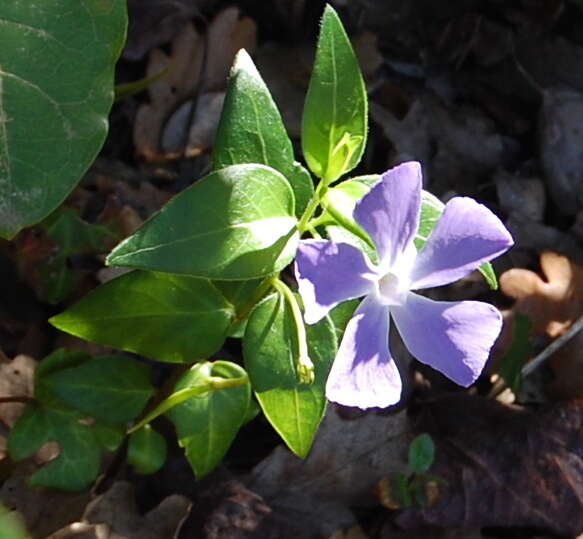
<point>311,207</point>
<point>212,383</point>
<point>304,365</point>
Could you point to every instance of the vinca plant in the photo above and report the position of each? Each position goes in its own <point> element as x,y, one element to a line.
<point>268,251</point>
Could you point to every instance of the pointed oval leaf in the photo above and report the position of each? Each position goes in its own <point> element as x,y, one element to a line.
<point>334,123</point>
<point>112,388</point>
<point>251,130</point>
<point>207,424</point>
<point>146,450</point>
<point>179,318</point>
<point>270,349</point>
<point>57,61</point>
<point>236,223</point>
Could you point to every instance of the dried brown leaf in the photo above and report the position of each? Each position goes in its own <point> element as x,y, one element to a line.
<point>503,466</point>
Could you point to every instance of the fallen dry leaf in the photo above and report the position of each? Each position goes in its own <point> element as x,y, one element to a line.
<point>114,515</point>
<point>561,139</point>
<point>166,94</point>
<point>168,128</point>
<point>552,304</point>
<point>504,466</point>
<point>346,461</point>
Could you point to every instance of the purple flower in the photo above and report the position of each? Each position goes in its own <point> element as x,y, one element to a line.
<point>452,337</point>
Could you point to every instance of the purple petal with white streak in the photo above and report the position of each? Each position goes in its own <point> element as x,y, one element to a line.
<point>389,212</point>
<point>364,374</point>
<point>467,235</point>
<point>329,273</point>
<point>454,338</point>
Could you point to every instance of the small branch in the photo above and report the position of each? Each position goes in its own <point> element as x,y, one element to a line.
<point>16,398</point>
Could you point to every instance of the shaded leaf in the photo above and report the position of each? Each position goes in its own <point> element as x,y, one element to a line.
<point>56,90</point>
<point>146,450</point>
<point>421,453</point>
<point>111,388</point>
<point>206,424</point>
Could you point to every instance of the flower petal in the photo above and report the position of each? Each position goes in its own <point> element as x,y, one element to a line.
<point>389,212</point>
<point>452,337</point>
<point>329,273</point>
<point>467,235</point>
<point>364,373</point>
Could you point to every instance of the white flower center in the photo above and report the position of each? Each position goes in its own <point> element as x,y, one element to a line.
<point>393,288</point>
<point>395,284</point>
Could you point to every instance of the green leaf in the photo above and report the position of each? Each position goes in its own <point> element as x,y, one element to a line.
<point>111,388</point>
<point>146,450</point>
<point>270,350</point>
<point>251,130</point>
<point>421,453</point>
<point>12,525</point>
<point>334,124</point>
<point>77,465</point>
<point>71,236</point>
<point>237,223</point>
<point>518,353</point>
<point>341,315</point>
<point>207,424</point>
<point>60,359</point>
<point>180,318</point>
<point>57,61</point>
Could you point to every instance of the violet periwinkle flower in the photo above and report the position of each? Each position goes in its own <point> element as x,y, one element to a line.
<point>452,337</point>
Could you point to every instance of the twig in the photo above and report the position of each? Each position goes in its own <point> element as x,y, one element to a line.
<point>16,398</point>
<point>500,385</point>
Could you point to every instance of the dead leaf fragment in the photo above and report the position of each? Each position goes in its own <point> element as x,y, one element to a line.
<point>114,515</point>
<point>561,140</point>
<point>503,466</point>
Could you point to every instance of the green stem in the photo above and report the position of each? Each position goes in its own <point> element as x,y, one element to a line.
<point>212,383</point>
<point>305,367</point>
<point>311,207</point>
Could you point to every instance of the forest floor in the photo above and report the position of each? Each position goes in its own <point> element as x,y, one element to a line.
<point>488,96</point>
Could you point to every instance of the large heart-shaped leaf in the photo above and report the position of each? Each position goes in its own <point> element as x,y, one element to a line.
<point>251,130</point>
<point>180,318</point>
<point>270,350</point>
<point>236,223</point>
<point>57,62</point>
<point>334,124</point>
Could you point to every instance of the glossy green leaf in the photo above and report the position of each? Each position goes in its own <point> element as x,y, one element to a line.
<point>251,130</point>
<point>57,61</point>
<point>111,388</point>
<point>421,453</point>
<point>206,424</point>
<point>334,124</point>
<point>270,350</point>
<point>180,318</point>
<point>77,465</point>
<point>146,450</point>
<point>237,223</point>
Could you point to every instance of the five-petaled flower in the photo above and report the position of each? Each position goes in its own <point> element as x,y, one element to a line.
<point>452,337</point>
